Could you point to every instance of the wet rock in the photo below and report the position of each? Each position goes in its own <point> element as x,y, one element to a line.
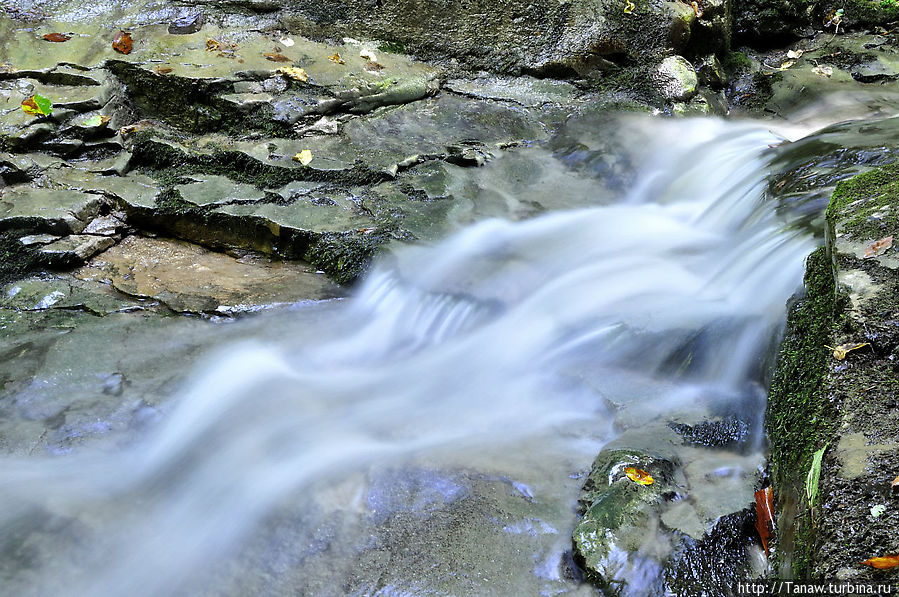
<point>675,79</point>
<point>64,292</point>
<point>108,225</point>
<point>526,91</point>
<point>618,518</point>
<point>58,211</point>
<point>188,278</point>
<point>711,73</point>
<point>74,250</point>
<point>726,432</point>
<point>187,24</point>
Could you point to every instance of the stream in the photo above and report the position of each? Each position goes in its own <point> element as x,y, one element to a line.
<point>429,435</point>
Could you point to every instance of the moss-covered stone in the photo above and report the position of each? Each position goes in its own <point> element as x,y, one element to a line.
<point>871,197</point>
<point>799,414</point>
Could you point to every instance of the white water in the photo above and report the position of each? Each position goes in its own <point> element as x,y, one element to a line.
<point>503,335</point>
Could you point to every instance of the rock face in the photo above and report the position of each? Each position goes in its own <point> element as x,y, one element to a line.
<point>676,79</point>
<point>841,406</point>
<point>513,36</point>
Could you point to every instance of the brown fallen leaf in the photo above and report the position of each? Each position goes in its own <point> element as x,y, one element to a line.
<point>764,515</point>
<point>336,59</point>
<point>57,37</point>
<point>894,486</point>
<point>878,247</point>
<point>639,476</point>
<point>275,57</point>
<point>162,70</point>
<point>883,562</point>
<point>373,67</point>
<point>840,352</point>
<point>122,42</point>
<point>213,45</point>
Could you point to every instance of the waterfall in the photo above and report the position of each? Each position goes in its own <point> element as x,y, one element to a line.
<point>508,346</point>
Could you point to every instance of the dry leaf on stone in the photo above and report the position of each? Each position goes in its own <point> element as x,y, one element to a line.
<point>96,120</point>
<point>883,562</point>
<point>794,54</point>
<point>286,42</point>
<point>57,37</point>
<point>787,64</point>
<point>37,105</point>
<point>213,45</point>
<point>823,71</point>
<point>304,157</point>
<point>764,515</point>
<point>373,67</point>
<point>628,7</point>
<point>878,247</point>
<point>162,70</point>
<point>122,42</point>
<point>276,57</point>
<point>336,59</point>
<point>639,476</point>
<point>894,486</point>
<point>295,73</point>
<point>840,352</point>
<point>368,55</point>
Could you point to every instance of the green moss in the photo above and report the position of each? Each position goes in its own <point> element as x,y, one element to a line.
<point>734,62</point>
<point>393,47</point>
<point>344,256</point>
<point>877,193</point>
<point>799,415</point>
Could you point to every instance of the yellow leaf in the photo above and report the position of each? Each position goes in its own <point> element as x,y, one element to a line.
<point>824,71</point>
<point>336,59</point>
<point>292,72</point>
<point>629,7</point>
<point>787,64</point>
<point>840,352</point>
<point>37,105</point>
<point>882,563</point>
<point>304,157</point>
<point>638,476</point>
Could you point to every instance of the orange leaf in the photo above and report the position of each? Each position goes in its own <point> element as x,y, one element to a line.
<point>882,563</point>
<point>57,37</point>
<point>275,57</point>
<point>122,42</point>
<point>878,247</point>
<point>638,476</point>
<point>764,515</point>
<point>336,59</point>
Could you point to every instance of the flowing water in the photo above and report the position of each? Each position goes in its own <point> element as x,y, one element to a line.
<point>427,435</point>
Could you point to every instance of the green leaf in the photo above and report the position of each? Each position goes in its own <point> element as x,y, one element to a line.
<point>814,474</point>
<point>37,105</point>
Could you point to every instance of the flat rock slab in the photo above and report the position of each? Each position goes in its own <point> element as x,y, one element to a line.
<point>47,210</point>
<point>189,278</point>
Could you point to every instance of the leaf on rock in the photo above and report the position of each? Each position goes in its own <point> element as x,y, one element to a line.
<point>286,42</point>
<point>883,562</point>
<point>840,352</point>
<point>794,54</point>
<point>213,45</point>
<point>304,157</point>
<point>162,70</point>
<point>276,57</point>
<point>373,67</point>
<point>122,42</point>
<point>823,71</point>
<point>629,7</point>
<point>295,73</point>
<point>368,55</point>
<point>96,120</point>
<point>787,64</point>
<point>878,247</point>
<point>336,59</point>
<point>894,486</point>
<point>764,514</point>
<point>696,9</point>
<point>639,476</point>
<point>57,37</point>
<point>37,105</point>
